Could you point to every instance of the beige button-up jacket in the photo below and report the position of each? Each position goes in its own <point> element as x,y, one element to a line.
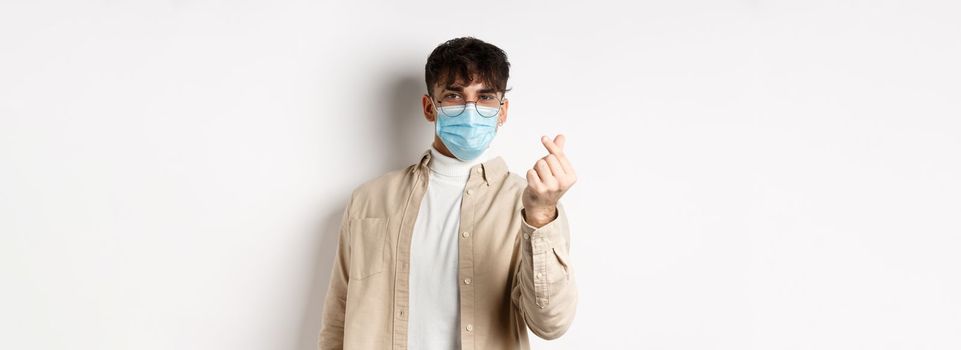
<point>512,276</point>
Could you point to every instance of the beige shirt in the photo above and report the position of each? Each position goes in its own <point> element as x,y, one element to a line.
<point>433,315</point>
<point>512,276</point>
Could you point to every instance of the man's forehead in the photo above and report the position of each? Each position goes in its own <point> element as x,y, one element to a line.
<point>460,83</point>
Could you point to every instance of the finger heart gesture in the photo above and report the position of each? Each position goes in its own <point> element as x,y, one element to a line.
<point>548,180</point>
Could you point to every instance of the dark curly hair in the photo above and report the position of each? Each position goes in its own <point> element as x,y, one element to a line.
<point>462,59</point>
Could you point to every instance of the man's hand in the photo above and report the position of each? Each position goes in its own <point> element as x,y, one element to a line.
<point>551,176</point>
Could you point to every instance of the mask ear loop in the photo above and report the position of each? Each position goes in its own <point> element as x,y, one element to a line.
<point>499,110</point>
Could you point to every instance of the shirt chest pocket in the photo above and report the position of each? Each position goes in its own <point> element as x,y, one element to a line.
<point>368,247</point>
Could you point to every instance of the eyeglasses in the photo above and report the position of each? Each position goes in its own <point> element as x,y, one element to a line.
<point>453,104</point>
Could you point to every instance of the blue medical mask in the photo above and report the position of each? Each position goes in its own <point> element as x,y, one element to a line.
<point>468,134</point>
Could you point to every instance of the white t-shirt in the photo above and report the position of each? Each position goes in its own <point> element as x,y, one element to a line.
<point>434,314</point>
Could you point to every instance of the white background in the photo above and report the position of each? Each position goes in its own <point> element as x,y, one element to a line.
<point>752,174</point>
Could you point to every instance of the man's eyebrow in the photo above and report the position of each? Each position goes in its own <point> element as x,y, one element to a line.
<point>459,88</point>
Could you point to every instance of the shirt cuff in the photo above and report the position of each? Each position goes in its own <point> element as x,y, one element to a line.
<point>528,229</point>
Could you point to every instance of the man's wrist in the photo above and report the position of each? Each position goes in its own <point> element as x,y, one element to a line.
<point>538,217</point>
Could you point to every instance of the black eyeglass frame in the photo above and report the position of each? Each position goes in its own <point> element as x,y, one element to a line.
<point>500,105</point>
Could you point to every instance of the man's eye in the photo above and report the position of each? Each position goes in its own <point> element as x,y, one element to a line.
<point>488,97</point>
<point>451,96</point>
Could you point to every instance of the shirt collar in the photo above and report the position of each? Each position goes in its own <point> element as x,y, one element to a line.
<point>492,169</point>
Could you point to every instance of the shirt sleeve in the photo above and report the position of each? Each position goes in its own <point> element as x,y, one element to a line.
<point>335,303</point>
<point>544,287</point>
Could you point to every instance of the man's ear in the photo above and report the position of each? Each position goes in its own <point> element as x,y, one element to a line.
<point>428,107</point>
<point>502,118</point>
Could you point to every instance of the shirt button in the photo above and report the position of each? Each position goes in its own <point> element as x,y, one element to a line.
<point>467,281</point>
<point>527,236</point>
<point>469,192</point>
<point>465,234</point>
<point>469,327</point>
<point>540,275</point>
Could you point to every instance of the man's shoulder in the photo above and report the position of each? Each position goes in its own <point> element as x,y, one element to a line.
<point>402,178</point>
<point>393,179</point>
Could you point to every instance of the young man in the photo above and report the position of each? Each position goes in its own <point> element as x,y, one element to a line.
<point>455,252</point>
